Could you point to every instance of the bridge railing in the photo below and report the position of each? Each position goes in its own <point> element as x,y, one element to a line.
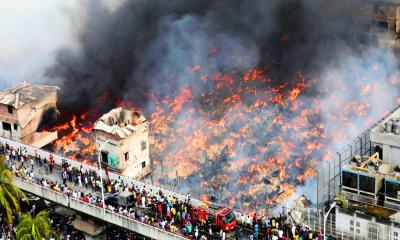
<point>95,211</point>
<point>42,191</point>
<point>121,220</point>
<point>32,151</point>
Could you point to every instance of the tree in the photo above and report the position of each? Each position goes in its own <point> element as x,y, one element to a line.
<point>35,228</point>
<point>10,195</point>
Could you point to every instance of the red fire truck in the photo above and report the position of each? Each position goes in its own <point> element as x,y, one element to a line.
<point>221,217</point>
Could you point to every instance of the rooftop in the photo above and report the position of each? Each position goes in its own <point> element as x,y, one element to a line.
<point>120,122</point>
<point>370,165</point>
<point>24,93</point>
<point>387,131</point>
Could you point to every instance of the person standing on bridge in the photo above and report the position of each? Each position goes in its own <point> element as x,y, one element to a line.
<point>51,164</point>
<point>32,162</point>
<point>143,201</point>
<point>196,233</point>
<point>255,230</point>
<point>80,181</point>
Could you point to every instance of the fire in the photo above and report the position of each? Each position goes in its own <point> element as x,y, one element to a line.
<point>241,141</point>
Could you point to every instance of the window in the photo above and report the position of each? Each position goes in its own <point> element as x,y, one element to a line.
<point>358,224</point>
<point>396,234</point>
<point>143,145</point>
<point>352,222</point>
<point>352,229</point>
<point>15,127</point>
<point>6,126</point>
<point>10,109</point>
<point>126,156</point>
<point>372,232</point>
<point>104,157</point>
<point>143,164</point>
<point>358,231</point>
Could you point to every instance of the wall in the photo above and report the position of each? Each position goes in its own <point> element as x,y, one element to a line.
<point>11,118</point>
<point>356,226</point>
<point>130,144</point>
<point>37,108</point>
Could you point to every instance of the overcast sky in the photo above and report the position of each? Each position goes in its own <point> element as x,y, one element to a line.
<point>32,31</point>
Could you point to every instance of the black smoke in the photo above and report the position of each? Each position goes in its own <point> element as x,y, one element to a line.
<point>122,52</point>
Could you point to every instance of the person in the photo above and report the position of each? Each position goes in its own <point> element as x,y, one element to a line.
<point>143,201</point>
<point>32,163</point>
<point>255,229</point>
<point>33,210</point>
<point>86,181</point>
<point>80,181</point>
<point>243,220</point>
<point>249,221</point>
<point>51,163</point>
<point>240,236</point>
<point>196,232</point>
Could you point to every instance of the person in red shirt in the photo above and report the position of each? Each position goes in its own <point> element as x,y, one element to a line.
<point>254,218</point>
<point>51,164</point>
<point>85,199</point>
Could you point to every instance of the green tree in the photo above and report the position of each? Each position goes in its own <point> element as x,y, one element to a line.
<point>10,195</point>
<point>35,228</point>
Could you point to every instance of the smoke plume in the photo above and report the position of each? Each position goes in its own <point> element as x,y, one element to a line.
<point>151,52</point>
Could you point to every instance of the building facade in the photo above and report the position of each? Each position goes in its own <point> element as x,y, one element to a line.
<point>122,138</point>
<point>371,184</point>
<point>24,109</point>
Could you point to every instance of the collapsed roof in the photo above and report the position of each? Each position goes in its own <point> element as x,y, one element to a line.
<point>24,93</point>
<point>119,122</point>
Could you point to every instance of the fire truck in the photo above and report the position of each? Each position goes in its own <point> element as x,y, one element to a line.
<point>221,217</point>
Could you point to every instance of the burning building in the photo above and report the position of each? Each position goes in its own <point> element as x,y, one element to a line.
<point>122,137</point>
<point>26,108</point>
<point>385,24</point>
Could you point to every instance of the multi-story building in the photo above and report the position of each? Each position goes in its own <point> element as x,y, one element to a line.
<point>384,23</point>
<point>371,184</point>
<point>122,137</point>
<point>24,109</point>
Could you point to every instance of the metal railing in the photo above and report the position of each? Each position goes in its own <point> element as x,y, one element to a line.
<point>329,175</point>
<point>95,211</point>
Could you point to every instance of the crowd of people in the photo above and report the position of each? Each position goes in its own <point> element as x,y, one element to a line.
<point>153,208</point>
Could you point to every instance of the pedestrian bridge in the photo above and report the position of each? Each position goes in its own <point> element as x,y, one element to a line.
<point>94,211</point>
<point>87,208</point>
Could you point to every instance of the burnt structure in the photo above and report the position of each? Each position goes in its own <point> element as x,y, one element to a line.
<point>122,138</point>
<point>24,109</point>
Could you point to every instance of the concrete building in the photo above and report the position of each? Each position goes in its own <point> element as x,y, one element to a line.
<point>384,24</point>
<point>125,137</point>
<point>371,184</point>
<point>24,109</point>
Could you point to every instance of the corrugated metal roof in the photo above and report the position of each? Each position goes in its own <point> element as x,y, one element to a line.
<point>24,93</point>
<point>118,122</point>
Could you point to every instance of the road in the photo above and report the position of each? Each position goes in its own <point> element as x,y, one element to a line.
<point>55,176</point>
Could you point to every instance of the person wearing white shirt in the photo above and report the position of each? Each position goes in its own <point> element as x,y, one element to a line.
<point>143,201</point>
<point>243,220</point>
<point>249,221</point>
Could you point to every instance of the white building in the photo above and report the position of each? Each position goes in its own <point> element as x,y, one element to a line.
<point>123,137</point>
<point>372,186</point>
